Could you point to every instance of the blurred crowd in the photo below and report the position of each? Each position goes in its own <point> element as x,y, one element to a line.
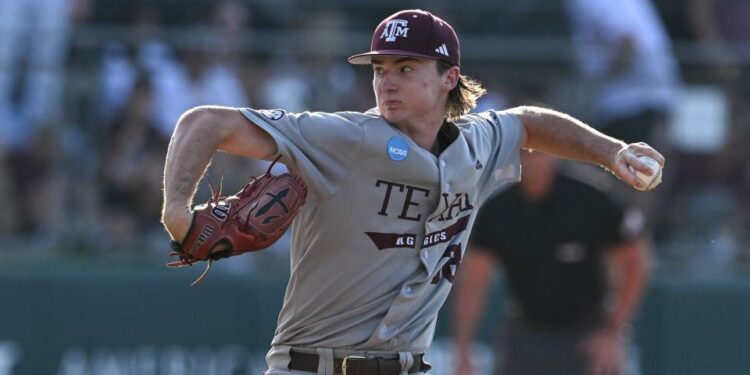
<point>90,91</point>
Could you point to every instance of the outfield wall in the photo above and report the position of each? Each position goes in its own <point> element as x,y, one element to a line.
<point>98,320</point>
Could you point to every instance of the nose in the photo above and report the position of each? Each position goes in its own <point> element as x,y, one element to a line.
<point>386,83</point>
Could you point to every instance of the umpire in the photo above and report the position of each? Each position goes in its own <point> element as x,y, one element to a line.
<point>576,267</point>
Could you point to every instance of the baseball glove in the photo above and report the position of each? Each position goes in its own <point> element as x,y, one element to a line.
<point>250,220</point>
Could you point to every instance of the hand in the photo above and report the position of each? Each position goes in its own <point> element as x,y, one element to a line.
<point>463,364</point>
<point>604,352</point>
<point>627,156</point>
<point>177,222</point>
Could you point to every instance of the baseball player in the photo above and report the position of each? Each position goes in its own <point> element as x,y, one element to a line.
<point>393,193</point>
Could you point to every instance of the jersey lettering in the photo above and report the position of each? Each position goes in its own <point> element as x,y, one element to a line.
<point>387,198</point>
<point>407,199</point>
<point>431,239</point>
<point>447,234</point>
<point>448,272</point>
<point>398,151</point>
<point>392,240</point>
<point>406,240</point>
<point>460,203</point>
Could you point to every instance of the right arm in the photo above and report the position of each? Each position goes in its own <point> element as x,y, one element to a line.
<point>564,136</point>
<point>471,289</point>
<point>199,133</point>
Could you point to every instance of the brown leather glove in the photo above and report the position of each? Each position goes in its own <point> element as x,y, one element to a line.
<point>250,220</point>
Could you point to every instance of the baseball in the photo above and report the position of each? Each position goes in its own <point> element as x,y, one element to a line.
<point>649,181</point>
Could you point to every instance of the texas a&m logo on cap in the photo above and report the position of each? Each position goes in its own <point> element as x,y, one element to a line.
<point>395,28</point>
<point>413,33</point>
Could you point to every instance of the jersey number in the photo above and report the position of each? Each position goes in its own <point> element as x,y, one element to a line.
<point>448,272</point>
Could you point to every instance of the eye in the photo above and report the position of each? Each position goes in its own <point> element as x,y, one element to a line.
<point>378,70</point>
<point>406,69</point>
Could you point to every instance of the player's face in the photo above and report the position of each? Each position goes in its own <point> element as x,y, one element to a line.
<point>408,90</point>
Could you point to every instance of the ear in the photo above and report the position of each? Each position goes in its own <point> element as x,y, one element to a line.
<point>450,77</point>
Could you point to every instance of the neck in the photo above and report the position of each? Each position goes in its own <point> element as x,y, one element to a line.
<point>424,132</point>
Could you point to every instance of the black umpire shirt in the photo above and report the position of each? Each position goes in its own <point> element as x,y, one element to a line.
<point>553,248</point>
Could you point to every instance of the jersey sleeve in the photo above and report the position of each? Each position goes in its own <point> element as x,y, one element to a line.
<point>320,147</point>
<point>501,137</point>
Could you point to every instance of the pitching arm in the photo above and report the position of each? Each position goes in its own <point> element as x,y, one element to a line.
<point>199,133</point>
<point>562,135</point>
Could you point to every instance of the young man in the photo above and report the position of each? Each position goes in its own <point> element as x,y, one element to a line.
<point>393,194</point>
<point>576,266</point>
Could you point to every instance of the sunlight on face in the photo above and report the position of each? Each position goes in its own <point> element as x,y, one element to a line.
<point>407,89</point>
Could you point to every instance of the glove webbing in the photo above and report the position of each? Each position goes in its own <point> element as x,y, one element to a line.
<point>188,259</point>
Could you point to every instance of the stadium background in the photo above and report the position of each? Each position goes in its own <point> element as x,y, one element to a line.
<point>89,103</point>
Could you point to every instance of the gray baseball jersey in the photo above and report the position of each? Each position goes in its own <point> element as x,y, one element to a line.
<point>376,247</point>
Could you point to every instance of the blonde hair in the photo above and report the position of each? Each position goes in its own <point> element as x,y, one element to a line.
<point>463,98</point>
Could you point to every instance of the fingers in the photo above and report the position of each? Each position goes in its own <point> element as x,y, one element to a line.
<point>638,164</point>
<point>643,149</point>
<point>629,161</point>
<point>623,171</point>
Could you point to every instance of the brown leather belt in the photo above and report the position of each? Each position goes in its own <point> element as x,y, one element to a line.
<point>354,365</point>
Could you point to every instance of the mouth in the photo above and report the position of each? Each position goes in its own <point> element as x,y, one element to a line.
<point>391,103</point>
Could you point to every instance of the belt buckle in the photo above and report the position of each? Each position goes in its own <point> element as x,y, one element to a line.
<point>348,358</point>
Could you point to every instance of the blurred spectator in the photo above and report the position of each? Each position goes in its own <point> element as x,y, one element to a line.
<point>231,20</point>
<point>493,99</point>
<point>33,52</point>
<point>625,57</point>
<point>202,74</point>
<point>717,25</point>
<point>288,85</point>
<point>121,61</point>
<point>146,86</point>
<point>576,268</point>
<point>32,57</point>
<point>722,29</point>
<point>130,172</point>
<point>196,74</point>
<point>7,224</point>
<point>332,81</point>
<point>35,184</point>
<point>192,80</point>
<point>624,53</point>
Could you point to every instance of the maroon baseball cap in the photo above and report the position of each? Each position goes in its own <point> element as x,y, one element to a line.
<point>415,33</point>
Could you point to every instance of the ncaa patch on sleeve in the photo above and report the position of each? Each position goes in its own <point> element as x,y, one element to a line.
<point>272,114</point>
<point>398,148</point>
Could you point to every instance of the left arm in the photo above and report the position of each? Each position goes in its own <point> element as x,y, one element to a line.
<point>628,266</point>
<point>628,270</point>
<point>562,135</point>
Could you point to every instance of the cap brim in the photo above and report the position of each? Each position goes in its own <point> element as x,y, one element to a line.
<point>366,58</point>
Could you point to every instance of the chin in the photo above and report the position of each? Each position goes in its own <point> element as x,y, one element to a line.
<point>391,115</point>
<point>391,119</point>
